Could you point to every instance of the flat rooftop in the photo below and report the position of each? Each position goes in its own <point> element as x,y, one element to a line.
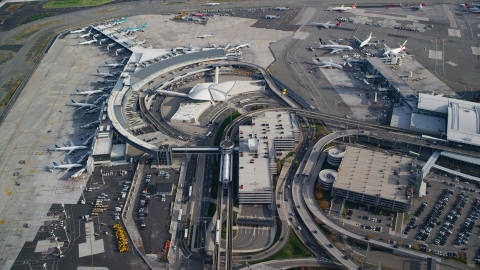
<point>392,76</point>
<point>373,173</point>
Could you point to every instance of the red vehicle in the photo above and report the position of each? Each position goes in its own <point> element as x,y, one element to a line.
<point>143,226</point>
<point>200,14</point>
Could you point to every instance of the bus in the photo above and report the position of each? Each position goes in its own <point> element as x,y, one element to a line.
<point>414,154</point>
<point>217,232</point>
<point>186,234</point>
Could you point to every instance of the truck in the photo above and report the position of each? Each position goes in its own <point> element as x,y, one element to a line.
<point>190,191</point>
<point>186,234</point>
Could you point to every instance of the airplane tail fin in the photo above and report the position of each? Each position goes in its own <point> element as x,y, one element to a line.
<point>106,63</point>
<point>55,164</point>
<point>144,25</point>
<point>339,23</point>
<point>404,43</point>
<point>78,91</point>
<point>467,5</point>
<point>73,101</point>
<point>354,5</point>
<point>56,146</point>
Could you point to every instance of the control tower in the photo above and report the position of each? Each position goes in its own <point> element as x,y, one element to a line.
<point>226,164</point>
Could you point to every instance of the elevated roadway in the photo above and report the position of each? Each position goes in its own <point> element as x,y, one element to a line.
<point>289,264</point>
<point>303,190</point>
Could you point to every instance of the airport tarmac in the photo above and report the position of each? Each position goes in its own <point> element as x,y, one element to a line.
<point>226,30</point>
<point>37,121</point>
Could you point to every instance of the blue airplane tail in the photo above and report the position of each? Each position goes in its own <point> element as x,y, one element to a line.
<point>56,146</point>
<point>55,164</point>
<point>144,25</point>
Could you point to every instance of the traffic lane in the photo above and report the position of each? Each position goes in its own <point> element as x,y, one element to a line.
<point>252,238</point>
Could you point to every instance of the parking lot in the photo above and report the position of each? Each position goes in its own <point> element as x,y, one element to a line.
<point>153,212</point>
<point>367,221</point>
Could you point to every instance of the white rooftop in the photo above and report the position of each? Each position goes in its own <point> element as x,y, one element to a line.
<point>189,112</point>
<point>463,122</point>
<point>428,124</point>
<point>432,103</point>
<point>221,91</point>
<point>102,146</point>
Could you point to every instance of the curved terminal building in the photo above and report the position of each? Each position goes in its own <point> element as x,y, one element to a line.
<point>226,148</point>
<point>326,178</point>
<point>335,156</point>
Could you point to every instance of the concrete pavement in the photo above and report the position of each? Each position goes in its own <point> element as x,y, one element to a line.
<point>288,264</point>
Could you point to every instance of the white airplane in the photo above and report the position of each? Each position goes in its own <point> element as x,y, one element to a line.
<point>327,24</point>
<point>88,92</point>
<point>104,75</point>
<point>78,31</point>
<point>388,51</point>
<point>343,8</point>
<point>114,65</point>
<point>282,8</point>
<point>418,7</point>
<point>365,42</point>
<point>211,4</point>
<point>70,148</point>
<point>78,173</point>
<point>81,105</point>
<point>107,81</point>
<point>272,16</point>
<point>335,47</point>
<point>205,36</point>
<point>87,42</point>
<point>85,35</point>
<point>330,64</point>
<point>66,166</point>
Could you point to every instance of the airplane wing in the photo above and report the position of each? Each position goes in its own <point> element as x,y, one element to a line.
<point>323,66</point>
<point>71,143</point>
<point>386,47</point>
<point>69,152</point>
<point>336,51</point>
<point>333,43</point>
<point>358,40</point>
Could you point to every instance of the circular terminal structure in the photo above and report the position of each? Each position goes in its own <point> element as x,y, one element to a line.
<point>335,156</point>
<point>326,178</point>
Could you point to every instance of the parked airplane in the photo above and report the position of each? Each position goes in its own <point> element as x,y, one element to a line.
<point>107,81</point>
<point>472,9</point>
<point>81,105</point>
<point>240,46</point>
<point>87,42</point>
<point>335,47</point>
<point>205,36</point>
<point>70,148</point>
<point>114,65</point>
<point>272,16</point>
<point>282,8</point>
<point>104,75</point>
<point>85,35</point>
<point>117,21</point>
<point>211,4</point>
<point>330,64</point>
<point>105,88</point>
<point>78,173</point>
<point>78,31</point>
<point>418,7</point>
<point>66,166</point>
<point>327,24</point>
<point>343,8</point>
<point>135,28</point>
<point>388,51</point>
<point>365,42</point>
<point>88,92</point>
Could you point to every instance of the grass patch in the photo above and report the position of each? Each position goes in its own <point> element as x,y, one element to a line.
<point>235,218</point>
<point>33,29</point>
<point>212,209</point>
<point>39,16</point>
<point>290,154</point>
<point>405,218</point>
<point>319,130</point>
<point>40,48</point>
<point>13,7</point>
<point>10,92</point>
<point>225,123</point>
<point>294,248</point>
<point>394,222</point>
<point>74,3</point>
